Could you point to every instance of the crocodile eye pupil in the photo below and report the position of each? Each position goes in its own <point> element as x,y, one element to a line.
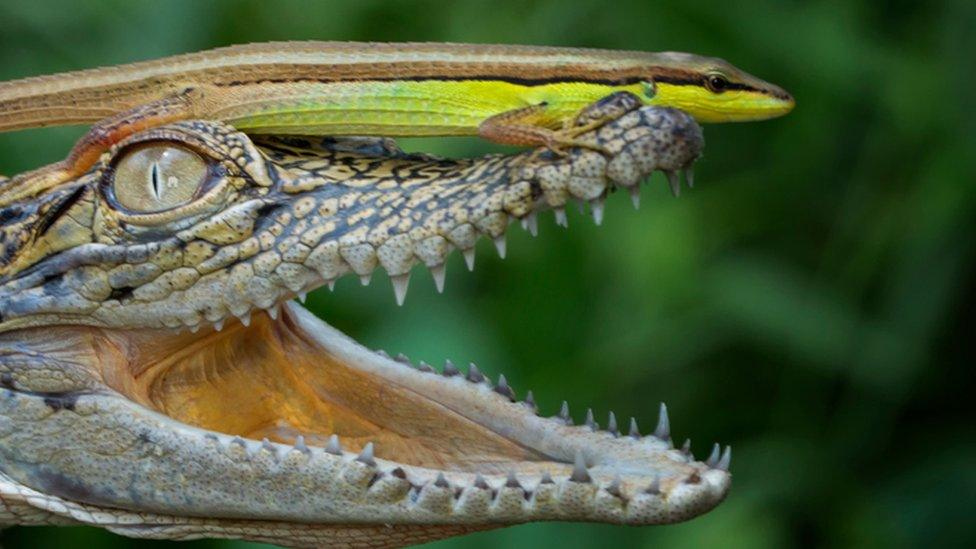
<point>158,177</point>
<point>717,84</point>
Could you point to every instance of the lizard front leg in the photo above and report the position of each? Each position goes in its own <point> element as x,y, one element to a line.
<point>525,126</point>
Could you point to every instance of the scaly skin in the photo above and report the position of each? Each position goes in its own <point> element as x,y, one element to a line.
<point>139,393</point>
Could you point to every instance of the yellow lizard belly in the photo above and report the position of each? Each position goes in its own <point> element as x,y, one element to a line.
<point>401,107</point>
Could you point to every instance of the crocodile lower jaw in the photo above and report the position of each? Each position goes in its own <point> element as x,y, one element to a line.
<point>289,419</point>
<point>295,384</point>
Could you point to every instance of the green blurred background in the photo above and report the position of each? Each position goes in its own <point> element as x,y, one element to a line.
<point>811,302</point>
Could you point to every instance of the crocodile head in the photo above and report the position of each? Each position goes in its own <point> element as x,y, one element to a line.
<point>159,380</point>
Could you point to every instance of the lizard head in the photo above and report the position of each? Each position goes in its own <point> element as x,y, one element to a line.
<point>147,316</point>
<point>713,90</point>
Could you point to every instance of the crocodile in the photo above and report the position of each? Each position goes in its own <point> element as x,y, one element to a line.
<point>159,377</point>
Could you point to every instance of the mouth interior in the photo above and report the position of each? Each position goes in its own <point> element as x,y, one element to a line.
<point>274,379</point>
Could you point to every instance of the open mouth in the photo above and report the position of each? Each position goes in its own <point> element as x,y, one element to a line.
<point>278,416</point>
<point>443,438</point>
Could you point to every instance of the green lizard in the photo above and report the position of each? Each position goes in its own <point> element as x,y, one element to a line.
<point>520,95</point>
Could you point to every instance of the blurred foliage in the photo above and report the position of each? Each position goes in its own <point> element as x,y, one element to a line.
<point>811,302</point>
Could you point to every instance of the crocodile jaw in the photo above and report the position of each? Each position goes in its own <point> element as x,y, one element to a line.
<point>449,449</point>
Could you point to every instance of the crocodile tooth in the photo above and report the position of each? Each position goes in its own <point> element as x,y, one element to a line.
<point>500,245</point>
<point>304,295</point>
<point>531,223</point>
<point>726,460</point>
<point>439,273</point>
<point>273,312</point>
<point>383,353</point>
<point>686,448</point>
<point>561,218</point>
<point>402,359</point>
<point>480,483</point>
<point>634,431</point>
<point>195,328</point>
<point>580,474</point>
<point>246,319</point>
<point>219,325</point>
<point>503,389</point>
<point>589,421</point>
<point>331,284</point>
<point>663,429</point>
<point>580,207</point>
<point>333,446</point>
<point>654,488</point>
<point>714,457</point>
<point>300,445</point>
<point>364,279</point>
<point>424,367</point>
<point>268,447</point>
<point>400,283</point>
<point>612,424</point>
<point>450,369</point>
<point>511,481</point>
<point>468,258</point>
<point>546,478</point>
<point>596,208</point>
<point>366,455</point>
<point>614,487</point>
<point>474,374</point>
<point>635,196</point>
<point>441,481</point>
<point>564,414</point>
<point>530,401</point>
<point>673,182</point>
<point>690,177</point>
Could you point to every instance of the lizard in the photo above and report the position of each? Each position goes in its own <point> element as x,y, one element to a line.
<point>516,95</point>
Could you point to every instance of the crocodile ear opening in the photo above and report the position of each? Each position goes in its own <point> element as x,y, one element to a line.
<point>272,380</point>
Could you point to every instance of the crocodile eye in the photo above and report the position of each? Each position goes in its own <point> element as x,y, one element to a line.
<point>716,83</point>
<point>154,178</point>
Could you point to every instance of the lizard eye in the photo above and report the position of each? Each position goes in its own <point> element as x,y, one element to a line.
<point>716,83</point>
<point>158,177</point>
